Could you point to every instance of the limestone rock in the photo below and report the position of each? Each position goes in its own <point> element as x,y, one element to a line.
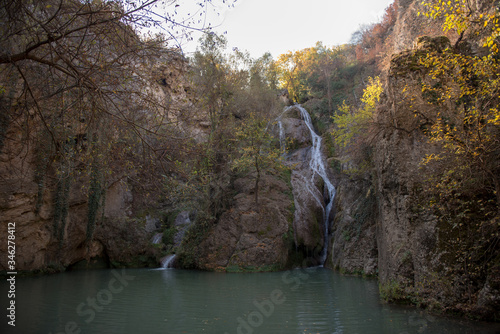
<point>249,236</point>
<point>353,247</point>
<point>285,97</point>
<point>296,130</point>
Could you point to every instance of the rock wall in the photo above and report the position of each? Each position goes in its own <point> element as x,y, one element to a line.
<point>38,246</point>
<point>121,237</point>
<point>406,238</point>
<point>353,246</point>
<point>308,187</point>
<point>287,225</point>
<point>250,236</point>
<point>393,234</point>
<point>419,255</point>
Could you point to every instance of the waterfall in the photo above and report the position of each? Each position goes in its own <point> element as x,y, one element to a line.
<point>317,165</point>
<point>156,238</point>
<point>168,261</point>
<point>282,137</point>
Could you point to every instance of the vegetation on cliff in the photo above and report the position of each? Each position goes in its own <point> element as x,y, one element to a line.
<point>84,99</point>
<point>444,95</point>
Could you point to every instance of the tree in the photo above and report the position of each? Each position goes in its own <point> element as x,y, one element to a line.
<point>353,127</point>
<point>210,73</point>
<point>465,87</point>
<point>350,123</point>
<point>464,16</point>
<point>292,75</point>
<point>256,150</point>
<point>371,39</point>
<point>76,80</point>
<point>265,72</point>
<point>69,68</point>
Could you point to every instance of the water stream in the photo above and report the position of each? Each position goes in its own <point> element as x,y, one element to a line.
<point>282,136</point>
<point>168,261</point>
<point>156,238</point>
<point>317,165</point>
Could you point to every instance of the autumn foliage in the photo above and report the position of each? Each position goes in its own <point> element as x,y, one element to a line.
<point>372,40</point>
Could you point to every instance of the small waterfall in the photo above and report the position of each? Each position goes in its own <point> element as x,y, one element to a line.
<point>168,261</point>
<point>156,238</point>
<point>282,137</point>
<point>318,167</point>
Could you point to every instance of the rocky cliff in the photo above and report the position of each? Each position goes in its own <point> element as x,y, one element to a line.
<point>37,246</point>
<point>437,262</point>
<point>285,227</point>
<point>384,223</point>
<point>31,193</point>
<point>353,246</point>
<point>251,236</point>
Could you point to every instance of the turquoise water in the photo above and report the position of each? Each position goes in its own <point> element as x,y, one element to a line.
<point>313,300</point>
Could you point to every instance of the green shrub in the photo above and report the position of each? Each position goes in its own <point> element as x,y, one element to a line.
<point>168,236</point>
<point>392,291</point>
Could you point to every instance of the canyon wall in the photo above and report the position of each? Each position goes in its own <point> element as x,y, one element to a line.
<point>126,221</point>
<point>383,225</point>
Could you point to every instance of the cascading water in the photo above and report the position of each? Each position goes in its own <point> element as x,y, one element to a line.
<point>168,261</point>
<point>317,165</point>
<point>156,238</point>
<point>282,137</point>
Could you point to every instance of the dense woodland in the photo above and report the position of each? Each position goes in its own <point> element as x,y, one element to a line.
<point>86,100</point>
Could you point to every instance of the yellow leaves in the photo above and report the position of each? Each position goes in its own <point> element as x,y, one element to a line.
<point>371,94</point>
<point>352,123</point>
<point>493,22</point>
<point>459,16</point>
<point>462,89</point>
<point>431,157</point>
<point>495,117</point>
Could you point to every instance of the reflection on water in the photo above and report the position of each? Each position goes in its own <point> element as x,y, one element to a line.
<point>313,300</point>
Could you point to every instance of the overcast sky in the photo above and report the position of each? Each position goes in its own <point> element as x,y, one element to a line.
<point>277,26</point>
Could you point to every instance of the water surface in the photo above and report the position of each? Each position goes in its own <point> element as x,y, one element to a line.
<point>313,300</point>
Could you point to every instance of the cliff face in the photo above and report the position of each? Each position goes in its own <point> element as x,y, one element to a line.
<point>283,229</point>
<point>353,245</point>
<point>38,247</point>
<point>124,224</point>
<point>251,236</point>
<point>383,223</point>
<point>308,187</point>
<point>439,258</point>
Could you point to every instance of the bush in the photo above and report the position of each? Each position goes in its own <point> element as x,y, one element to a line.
<point>168,236</point>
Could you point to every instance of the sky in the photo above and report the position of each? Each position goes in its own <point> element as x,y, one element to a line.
<point>278,26</point>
